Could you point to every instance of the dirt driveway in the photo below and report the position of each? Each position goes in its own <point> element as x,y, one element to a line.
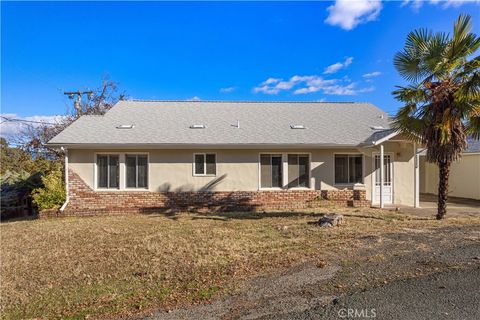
<point>403,264</point>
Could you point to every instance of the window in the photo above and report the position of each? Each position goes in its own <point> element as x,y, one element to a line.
<point>271,171</point>
<point>136,171</point>
<point>205,164</point>
<point>298,170</point>
<point>348,168</point>
<point>108,171</point>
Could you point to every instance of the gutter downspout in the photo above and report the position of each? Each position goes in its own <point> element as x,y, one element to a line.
<point>67,198</point>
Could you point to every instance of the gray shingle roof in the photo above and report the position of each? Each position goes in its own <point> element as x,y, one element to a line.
<point>261,123</point>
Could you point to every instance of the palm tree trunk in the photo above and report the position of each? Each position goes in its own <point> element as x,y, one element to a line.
<point>444,171</point>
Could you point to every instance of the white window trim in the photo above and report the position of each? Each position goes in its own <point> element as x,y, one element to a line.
<point>95,172</point>
<point>125,171</point>
<point>122,172</point>
<point>349,184</point>
<point>284,171</point>
<point>204,165</point>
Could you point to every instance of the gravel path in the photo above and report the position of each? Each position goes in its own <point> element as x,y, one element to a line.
<point>410,275</point>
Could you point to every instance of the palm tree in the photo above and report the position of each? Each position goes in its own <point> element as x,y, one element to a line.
<point>442,102</point>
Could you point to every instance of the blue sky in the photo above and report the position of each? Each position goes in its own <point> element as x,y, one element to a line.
<point>328,51</point>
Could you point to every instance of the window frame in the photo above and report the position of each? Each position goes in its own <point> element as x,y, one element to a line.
<point>122,172</point>
<point>348,168</point>
<point>309,170</point>
<point>95,173</point>
<point>124,184</point>
<point>204,174</point>
<point>282,154</point>
<point>284,170</point>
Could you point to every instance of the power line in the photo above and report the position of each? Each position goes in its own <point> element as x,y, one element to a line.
<point>26,121</point>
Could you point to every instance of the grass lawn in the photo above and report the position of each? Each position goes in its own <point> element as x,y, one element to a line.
<point>103,266</point>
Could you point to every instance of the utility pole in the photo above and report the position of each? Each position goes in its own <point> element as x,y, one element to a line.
<point>77,95</point>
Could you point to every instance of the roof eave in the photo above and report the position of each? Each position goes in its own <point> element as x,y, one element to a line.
<point>198,146</point>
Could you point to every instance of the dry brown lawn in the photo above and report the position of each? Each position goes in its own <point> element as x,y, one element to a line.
<point>73,268</point>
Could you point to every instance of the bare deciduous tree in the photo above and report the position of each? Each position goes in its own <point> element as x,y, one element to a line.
<point>34,138</point>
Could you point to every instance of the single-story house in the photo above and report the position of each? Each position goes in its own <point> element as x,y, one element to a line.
<point>156,155</point>
<point>464,178</point>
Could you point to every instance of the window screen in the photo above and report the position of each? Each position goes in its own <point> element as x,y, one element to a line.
<point>211,164</point>
<point>199,164</point>
<point>303,171</point>
<point>108,171</point>
<point>355,169</point>
<point>113,172</point>
<point>142,172</point>
<point>136,171</point>
<point>298,170</point>
<point>102,171</point>
<point>271,171</point>
<point>348,169</point>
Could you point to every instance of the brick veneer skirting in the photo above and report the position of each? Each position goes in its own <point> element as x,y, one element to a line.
<point>85,201</point>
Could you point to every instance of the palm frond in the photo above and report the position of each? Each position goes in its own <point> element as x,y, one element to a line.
<point>434,55</point>
<point>463,42</point>
<point>410,63</point>
<point>411,94</point>
<point>408,124</point>
<point>473,127</point>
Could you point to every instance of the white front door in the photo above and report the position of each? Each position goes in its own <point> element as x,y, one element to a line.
<point>387,182</point>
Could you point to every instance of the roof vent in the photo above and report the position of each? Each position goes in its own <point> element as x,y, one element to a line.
<point>377,128</point>
<point>198,126</point>
<point>125,126</point>
<point>297,126</point>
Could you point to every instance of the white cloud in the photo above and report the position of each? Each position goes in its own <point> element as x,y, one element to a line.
<point>454,3</point>
<point>310,84</point>
<point>10,129</point>
<point>372,74</point>
<point>348,14</point>
<point>227,90</point>
<point>417,4</point>
<point>268,86</point>
<point>339,65</point>
<point>305,90</point>
<point>266,89</point>
<point>346,90</point>
<point>275,85</point>
<point>194,98</point>
<point>272,80</point>
<point>333,68</point>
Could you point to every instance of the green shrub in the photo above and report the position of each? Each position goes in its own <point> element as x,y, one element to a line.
<point>52,194</point>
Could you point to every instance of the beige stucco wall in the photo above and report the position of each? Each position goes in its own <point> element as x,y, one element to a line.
<point>464,180</point>
<point>173,169</point>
